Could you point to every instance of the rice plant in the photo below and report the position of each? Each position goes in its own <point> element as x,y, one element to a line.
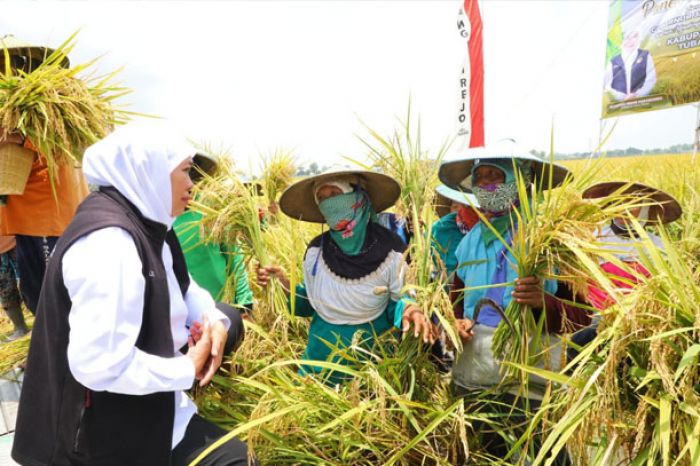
<point>278,173</point>
<point>13,353</point>
<point>393,412</point>
<point>401,156</point>
<point>60,110</point>
<point>634,394</point>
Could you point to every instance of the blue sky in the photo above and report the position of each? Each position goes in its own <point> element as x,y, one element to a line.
<point>255,76</point>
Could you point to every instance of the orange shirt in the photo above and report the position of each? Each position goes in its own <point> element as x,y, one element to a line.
<point>36,212</point>
<point>7,243</point>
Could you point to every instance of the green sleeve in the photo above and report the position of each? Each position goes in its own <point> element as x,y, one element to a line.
<point>244,295</point>
<point>302,305</point>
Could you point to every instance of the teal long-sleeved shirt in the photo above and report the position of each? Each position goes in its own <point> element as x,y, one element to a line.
<point>323,336</point>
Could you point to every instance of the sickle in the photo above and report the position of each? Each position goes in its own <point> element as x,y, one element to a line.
<point>489,302</point>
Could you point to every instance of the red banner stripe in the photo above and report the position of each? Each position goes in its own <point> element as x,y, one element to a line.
<point>476,63</point>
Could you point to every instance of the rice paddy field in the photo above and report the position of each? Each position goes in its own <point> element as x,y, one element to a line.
<point>14,353</point>
<point>631,397</point>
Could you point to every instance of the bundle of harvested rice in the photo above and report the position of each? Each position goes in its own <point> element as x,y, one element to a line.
<point>278,173</point>
<point>60,110</point>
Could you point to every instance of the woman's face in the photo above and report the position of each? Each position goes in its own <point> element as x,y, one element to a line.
<point>455,206</point>
<point>631,40</point>
<point>634,212</point>
<point>487,175</point>
<point>181,184</point>
<point>326,192</point>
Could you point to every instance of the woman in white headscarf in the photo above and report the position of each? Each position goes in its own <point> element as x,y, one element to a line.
<point>109,360</point>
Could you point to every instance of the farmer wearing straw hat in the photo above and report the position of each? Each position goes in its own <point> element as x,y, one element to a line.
<point>210,265</point>
<point>354,272</point>
<point>651,206</point>
<point>490,174</point>
<point>35,217</point>
<point>457,215</point>
<point>111,355</point>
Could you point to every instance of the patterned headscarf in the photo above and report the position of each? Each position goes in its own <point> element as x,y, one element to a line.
<point>347,216</point>
<point>497,199</point>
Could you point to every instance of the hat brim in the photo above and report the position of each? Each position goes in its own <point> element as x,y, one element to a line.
<point>457,174</point>
<point>445,198</point>
<point>298,200</point>
<point>667,209</point>
<point>38,54</point>
<point>205,163</point>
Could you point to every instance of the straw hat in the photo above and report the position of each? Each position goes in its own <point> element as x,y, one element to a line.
<point>298,200</point>
<point>17,46</point>
<point>205,162</point>
<point>249,183</point>
<point>445,197</point>
<point>457,173</point>
<point>667,208</point>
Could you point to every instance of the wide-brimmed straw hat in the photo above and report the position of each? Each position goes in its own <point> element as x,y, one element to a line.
<point>205,162</point>
<point>445,195</point>
<point>34,53</point>
<point>665,208</point>
<point>457,173</point>
<point>298,201</point>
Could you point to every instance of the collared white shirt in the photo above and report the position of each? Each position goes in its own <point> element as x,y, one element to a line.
<point>102,273</point>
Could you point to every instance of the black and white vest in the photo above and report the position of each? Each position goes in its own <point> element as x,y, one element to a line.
<point>61,422</point>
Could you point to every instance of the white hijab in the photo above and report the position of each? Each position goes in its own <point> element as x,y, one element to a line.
<point>137,160</point>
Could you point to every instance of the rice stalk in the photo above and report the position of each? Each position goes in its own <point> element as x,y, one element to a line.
<point>278,173</point>
<point>231,215</point>
<point>390,413</point>
<point>402,157</point>
<point>13,353</point>
<point>60,110</point>
<point>553,237</point>
<point>640,378</point>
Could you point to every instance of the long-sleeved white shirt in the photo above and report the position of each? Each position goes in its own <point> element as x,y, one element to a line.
<point>102,273</point>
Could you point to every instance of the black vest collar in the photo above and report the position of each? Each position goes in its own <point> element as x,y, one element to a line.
<point>155,230</point>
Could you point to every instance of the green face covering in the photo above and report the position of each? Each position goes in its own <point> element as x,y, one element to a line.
<point>347,216</point>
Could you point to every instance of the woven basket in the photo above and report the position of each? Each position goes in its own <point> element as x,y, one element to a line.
<point>15,166</point>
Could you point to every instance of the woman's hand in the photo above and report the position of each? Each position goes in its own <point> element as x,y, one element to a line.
<point>199,353</point>
<point>528,292</point>
<point>217,335</point>
<point>265,274</point>
<point>465,329</point>
<point>412,315</point>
